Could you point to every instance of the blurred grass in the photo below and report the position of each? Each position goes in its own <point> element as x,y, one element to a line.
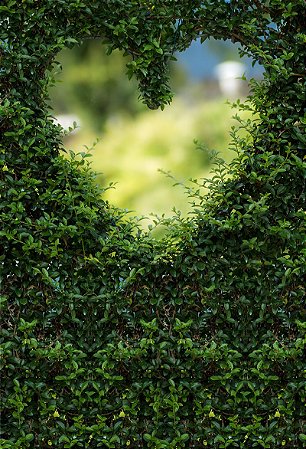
<point>131,151</point>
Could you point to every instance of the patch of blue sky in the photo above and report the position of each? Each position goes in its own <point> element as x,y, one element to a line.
<point>200,60</point>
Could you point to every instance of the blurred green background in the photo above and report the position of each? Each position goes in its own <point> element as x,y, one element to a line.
<point>135,143</point>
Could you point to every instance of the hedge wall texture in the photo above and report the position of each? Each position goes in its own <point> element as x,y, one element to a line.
<point>111,339</point>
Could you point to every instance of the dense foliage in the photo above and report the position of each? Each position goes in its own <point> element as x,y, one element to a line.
<point>109,338</point>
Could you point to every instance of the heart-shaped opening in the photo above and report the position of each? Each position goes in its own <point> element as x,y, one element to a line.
<point>145,152</point>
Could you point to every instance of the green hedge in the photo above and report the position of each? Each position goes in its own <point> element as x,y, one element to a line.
<point>109,338</point>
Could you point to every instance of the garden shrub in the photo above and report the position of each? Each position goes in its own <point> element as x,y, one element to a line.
<point>112,339</point>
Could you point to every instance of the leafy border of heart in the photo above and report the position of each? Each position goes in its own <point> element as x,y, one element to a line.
<point>113,338</point>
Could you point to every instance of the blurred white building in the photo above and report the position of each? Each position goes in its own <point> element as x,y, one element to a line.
<point>68,121</point>
<point>229,75</point>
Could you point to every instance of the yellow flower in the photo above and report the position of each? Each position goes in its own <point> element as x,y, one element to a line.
<point>211,414</point>
<point>121,414</point>
<point>283,443</point>
<point>56,414</point>
<point>204,443</point>
<point>49,443</point>
<point>277,414</point>
<point>128,442</point>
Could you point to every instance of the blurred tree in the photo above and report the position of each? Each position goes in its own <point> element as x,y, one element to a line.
<point>93,84</point>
